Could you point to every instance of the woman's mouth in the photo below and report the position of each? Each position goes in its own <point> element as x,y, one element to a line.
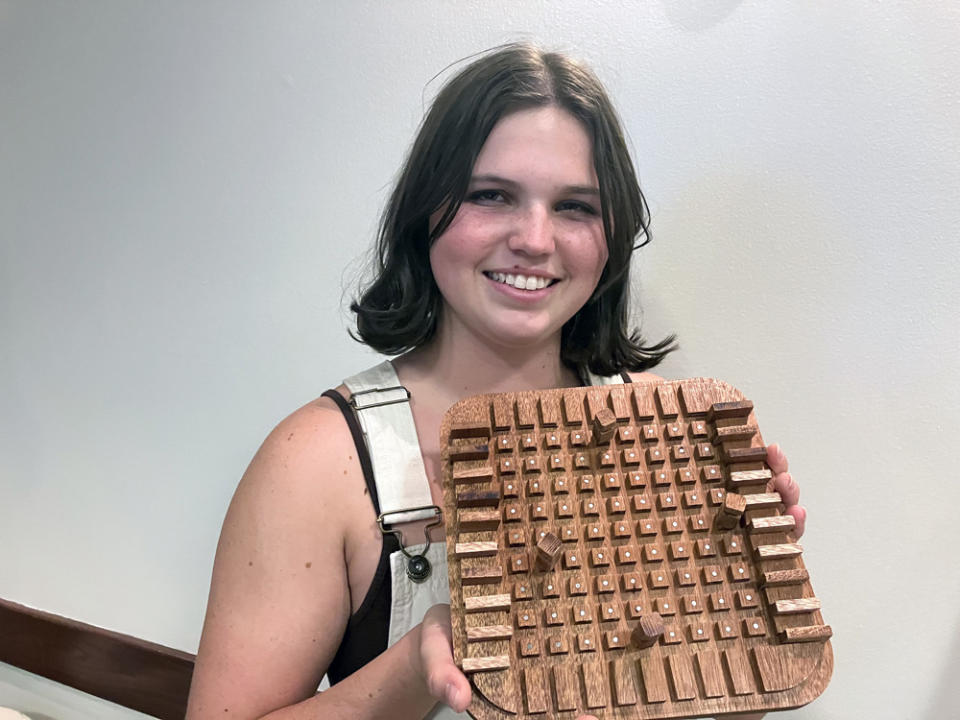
<point>521,282</point>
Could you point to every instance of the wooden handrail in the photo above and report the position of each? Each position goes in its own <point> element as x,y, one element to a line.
<point>137,674</point>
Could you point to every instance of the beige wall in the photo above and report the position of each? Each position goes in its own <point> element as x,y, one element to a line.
<point>183,184</point>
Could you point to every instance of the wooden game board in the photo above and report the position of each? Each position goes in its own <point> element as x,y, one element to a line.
<point>567,550</point>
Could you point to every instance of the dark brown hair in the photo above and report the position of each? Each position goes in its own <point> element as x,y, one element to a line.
<point>400,309</point>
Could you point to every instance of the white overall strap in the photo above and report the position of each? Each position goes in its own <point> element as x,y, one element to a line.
<point>383,409</point>
<point>595,380</point>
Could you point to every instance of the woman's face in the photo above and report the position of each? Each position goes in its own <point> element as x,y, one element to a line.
<point>526,248</point>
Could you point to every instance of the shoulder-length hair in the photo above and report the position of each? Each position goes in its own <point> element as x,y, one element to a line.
<point>401,307</point>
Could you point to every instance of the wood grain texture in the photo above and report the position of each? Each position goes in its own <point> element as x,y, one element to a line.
<point>633,505</point>
<point>131,672</point>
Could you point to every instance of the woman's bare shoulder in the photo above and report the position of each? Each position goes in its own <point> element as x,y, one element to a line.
<point>300,443</point>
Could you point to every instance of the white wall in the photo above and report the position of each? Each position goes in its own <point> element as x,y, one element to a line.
<point>182,186</point>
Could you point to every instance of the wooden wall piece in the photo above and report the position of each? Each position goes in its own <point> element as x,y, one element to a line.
<point>582,513</point>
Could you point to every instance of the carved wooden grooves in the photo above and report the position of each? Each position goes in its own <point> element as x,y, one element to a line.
<point>636,484</point>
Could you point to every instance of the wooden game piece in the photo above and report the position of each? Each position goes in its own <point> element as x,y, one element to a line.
<point>473,475</point>
<point>731,511</point>
<point>643,404</point>
<point>681,673</point>
<point>762,501</point>
<point>779,552</point>
<point>749,478</point>
<point>549,410</point>
<point>772,523</point>
<point>810,633</point>
<point>654,679</point>
<point>732,433</point>
<point>478,519</point>
<point>738,668</point>
<point>704,451</point>
<point>711,474</point>
<point>476,549</point>
<point>536,690</point>
<point>565,686</point>
<point>796,606</point>
<point>470,496</point>
<point>489,632</point>
<point>737,409</point>
<point>744,455</point>
<point>526,412</point>
<point>779,578</point>
<point>486,603</point>
<point>472,451</point>
<point>572,404</point>
<point>481,430</point>
<point>667,401</point>
<point>711,674</point>
<point>619,403</point>
<point>624,684</point>
<point>485,664</point>
<point>482,575</point>
<point>548,551</point>
<point>502,413</point>
<point>648,631</point>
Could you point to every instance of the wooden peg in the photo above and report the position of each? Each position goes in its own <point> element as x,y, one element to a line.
<point>548,551</point>
<point>731,511</point>
<point>604,425</point>
<point>739,410</point>
<point>647,631</point>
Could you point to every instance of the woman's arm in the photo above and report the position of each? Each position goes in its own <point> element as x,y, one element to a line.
<point>280,598</point>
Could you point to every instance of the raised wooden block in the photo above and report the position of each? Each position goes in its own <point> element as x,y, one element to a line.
<point>548,551</point>
<point>779,552</point>
<point>736,409</point>
<point>749,477</point>
<point>486,603</point>
<point>810,633</point>
<point>648,631</point>
<point>604,425</point>
<point>731,511</point>
<point>485,664</point>
<point>772,523</point>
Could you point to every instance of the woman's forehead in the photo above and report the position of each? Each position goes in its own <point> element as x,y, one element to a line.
<point>541,144</point>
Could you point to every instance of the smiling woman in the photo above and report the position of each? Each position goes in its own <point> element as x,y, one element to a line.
<point>503,265</point>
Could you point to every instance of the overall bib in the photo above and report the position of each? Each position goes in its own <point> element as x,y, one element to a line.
<point>382,406</point>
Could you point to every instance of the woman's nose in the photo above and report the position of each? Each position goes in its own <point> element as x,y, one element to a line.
<point>534,233</point>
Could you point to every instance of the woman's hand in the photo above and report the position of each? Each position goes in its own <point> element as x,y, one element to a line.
<point>784,484</point>
<point>442,677</point>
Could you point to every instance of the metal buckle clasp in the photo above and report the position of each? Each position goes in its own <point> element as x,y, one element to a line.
<point>418,567</point>
<point>358,407</point>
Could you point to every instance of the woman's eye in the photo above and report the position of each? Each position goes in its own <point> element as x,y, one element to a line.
<point>489,196</point>
<point>576,206</point>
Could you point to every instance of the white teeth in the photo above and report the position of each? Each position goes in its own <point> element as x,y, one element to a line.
<point>521,282</point>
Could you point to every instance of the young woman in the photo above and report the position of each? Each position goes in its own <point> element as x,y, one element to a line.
<point>504,258</point>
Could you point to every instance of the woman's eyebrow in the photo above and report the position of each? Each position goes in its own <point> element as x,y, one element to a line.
<point>571,189</point>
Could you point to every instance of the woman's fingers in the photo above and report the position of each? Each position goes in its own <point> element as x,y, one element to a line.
<point>443,678</point>
<point>799,513</point>
<point>788,488</point>
<point>776,459</point>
